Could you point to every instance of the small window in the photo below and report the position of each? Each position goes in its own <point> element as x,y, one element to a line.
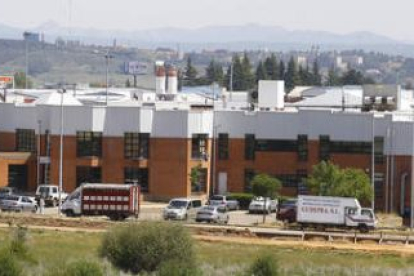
<point>196,203</point>
<point>367,213</point>
<point>55,190</point>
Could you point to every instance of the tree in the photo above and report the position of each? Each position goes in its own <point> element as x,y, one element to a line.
<point>272,68</point>
<point>261,73</point>
<point>316,76</point>
<point>237,73</point>
<point>248,77</point>
<point>328,179</point>
<point>214,73</point>
<point>190,73</point>
<point>282,70</point>
<point>266,186</point>
<point>20,80</point>
<point>195,174</point>
<point>333,78</point>
<point>291,76</point>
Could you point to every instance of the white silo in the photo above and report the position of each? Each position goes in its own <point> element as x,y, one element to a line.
<point>160,80</point>
<point>172,81</point>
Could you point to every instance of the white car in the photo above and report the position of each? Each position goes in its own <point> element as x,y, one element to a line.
<point>18,204</point>
<point>181,209</point>
<point>213,213</point>
<point>263,204</point>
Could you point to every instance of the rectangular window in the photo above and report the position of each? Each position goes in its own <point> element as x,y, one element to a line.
<point>248,177</point>
<point>303,148</point>
<point>199,146</point>
<point>351,147</point>
<point>136,145</point>
<point>379,150</point>
<point>379,187</point>
<point>26,140</point>
<point>223,146</point>
<point>249,146</point>
<point>201,185</point>
<point>288,180</point>
<point>137,176</point>
<point>89,144</point>
<point>85,174</point>
<point>324,147</point>
<point>276,145</point>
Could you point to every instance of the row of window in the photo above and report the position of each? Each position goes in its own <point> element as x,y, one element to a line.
<point>132,175</point>
<point>138,176</point>
<point>288,180</point>
<point>136,145</point>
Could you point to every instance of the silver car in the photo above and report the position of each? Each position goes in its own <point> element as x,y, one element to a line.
<point>213,213</point>
<point>18,204</point>
<point>229,201</point>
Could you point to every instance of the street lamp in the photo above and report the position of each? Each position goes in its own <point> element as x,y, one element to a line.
<point>61,152</point>
<point>108,56</point>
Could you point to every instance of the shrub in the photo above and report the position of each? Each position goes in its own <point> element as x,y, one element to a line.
<point>8,265</point>
<point>244,199</point>
<point>175,268</point>
<point>144,246</point>
<point>264,265</point>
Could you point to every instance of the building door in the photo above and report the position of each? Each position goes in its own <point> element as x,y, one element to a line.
<point>222,183</point>
<point>18,177</point>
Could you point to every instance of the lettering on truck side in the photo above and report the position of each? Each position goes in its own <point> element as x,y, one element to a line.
<point>319,210</point>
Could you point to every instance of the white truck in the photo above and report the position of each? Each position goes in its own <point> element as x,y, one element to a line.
<point>50,194</point>
<point>325,211</point>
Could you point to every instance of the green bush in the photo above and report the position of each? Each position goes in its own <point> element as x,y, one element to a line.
<point>78,268</point>
<point>264,265</point>
<point>244,199</point>
<point>175,268</point>
<point>8,264</point>
<point>144,246</point>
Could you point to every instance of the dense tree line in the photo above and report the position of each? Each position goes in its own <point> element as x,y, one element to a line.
<point>240,75</point>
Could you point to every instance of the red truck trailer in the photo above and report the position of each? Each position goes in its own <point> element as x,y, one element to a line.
<point>116,201</point>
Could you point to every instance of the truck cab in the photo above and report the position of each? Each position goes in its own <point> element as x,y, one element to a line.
<point>50,194</point>
<point>361,218</point>
<point>72,205</point>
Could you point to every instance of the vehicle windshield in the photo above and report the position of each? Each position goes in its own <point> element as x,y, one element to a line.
<point>4,191</point>
<point>288,203</point>
<point>44,190</point>
<point>209,208</point>
<point>259,198</point>
<point>178,204</point>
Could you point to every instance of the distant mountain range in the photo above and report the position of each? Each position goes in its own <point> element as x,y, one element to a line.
<point>251,36</point>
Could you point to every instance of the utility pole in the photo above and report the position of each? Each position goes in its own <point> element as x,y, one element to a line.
<point>373,159</point>
<point>61,152</point>
<point>108,56</point>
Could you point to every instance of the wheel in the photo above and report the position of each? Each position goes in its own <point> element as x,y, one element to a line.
<point>70,213</point>
<point>363,228</point>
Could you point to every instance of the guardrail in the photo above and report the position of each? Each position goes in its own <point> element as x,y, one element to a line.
<point>355,237</point>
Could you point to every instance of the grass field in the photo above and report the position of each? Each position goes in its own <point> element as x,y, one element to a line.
<point>52,248</point>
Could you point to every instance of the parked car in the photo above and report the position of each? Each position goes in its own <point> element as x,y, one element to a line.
<point>50,194</point>
<point>213,213</point>
<point>18,204</point>
<point>229,201</point>
<point>287,211</point>
<point>181,208</point>
<point>6,191</point>
<point>261,204</point>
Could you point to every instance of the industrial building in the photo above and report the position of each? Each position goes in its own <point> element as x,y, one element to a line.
<point>155,138</point>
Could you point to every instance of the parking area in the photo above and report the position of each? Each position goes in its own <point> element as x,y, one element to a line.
<point>153,212</point>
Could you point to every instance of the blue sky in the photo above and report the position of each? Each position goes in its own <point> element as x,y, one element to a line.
<point>391,18</point>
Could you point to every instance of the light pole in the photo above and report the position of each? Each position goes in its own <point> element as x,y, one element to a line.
<point>61,152</point>
<point>108,56</point>
<point>39,124</point>
<point>412,179</point>
<point>373,158</point>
